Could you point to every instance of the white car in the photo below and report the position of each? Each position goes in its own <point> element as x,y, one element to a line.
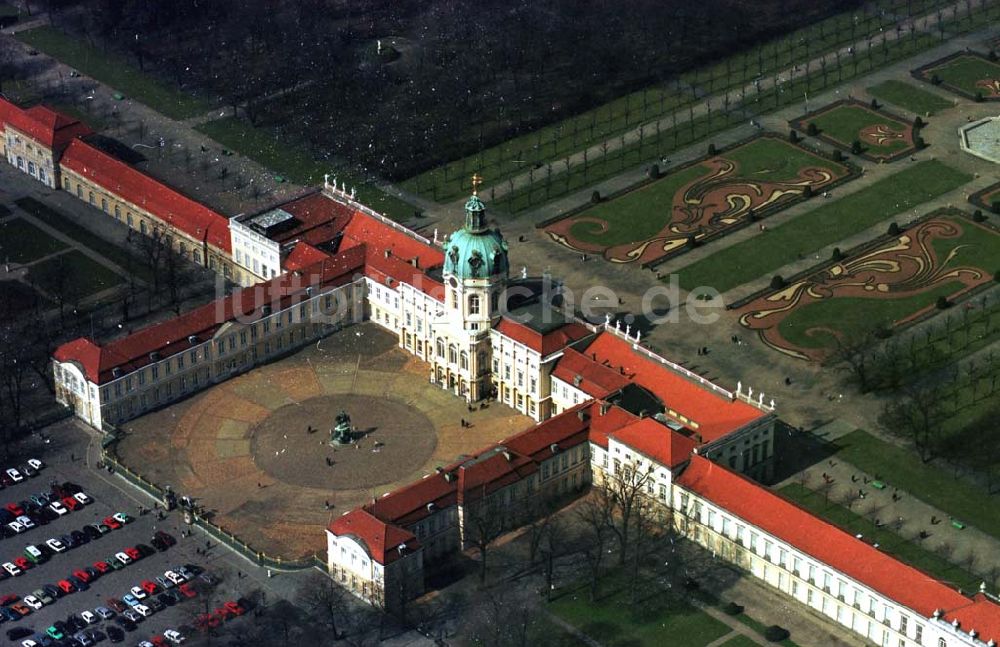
<point>174,636</point>
<point>143,610</point>
<point>137,592</point>
<point>58,508</point>
<point>16,526</point>
<point>174,577</point>
<point>28,642</point>
<point>11,568</point>
<point>83,498</point>
<point>145,643</point>
<point>123,558</point>
<point>26,522</point>
<point>33,602</point>
<point>37,464</point>
<point>14,475</point>
<point>121,518</point>
<point>89,617</point>
<point>56,545</point>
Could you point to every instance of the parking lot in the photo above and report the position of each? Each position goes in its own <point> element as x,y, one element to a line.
<point>66,460</point>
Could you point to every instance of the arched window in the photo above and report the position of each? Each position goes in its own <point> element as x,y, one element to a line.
<point>942,643</point>
<point>91,197</point>
<point>118,212</point>
<point>465,361</point>
<point>453,298</point>
<point>142,226</point>
<point>440,348</point>
<point>481,361</point>
<point>452,354</point>
<point>473,304</point>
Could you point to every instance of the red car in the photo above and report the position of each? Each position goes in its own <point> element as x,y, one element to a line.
<point>158,641</point>
<point>9,599</point>
<point>82,575</point>
<point>133,553</point>
<point>23,563</point>
<point>186,590</point>
<point>15,509</point>
<point>103,567</point>
<point>235,608</point>
<point>112,523</point>
<point>149,587</point>
<point>166,537</point>
<point>116,604</point>
<point>71,503</point>
<point>21,608</point>
<point>66,586</point>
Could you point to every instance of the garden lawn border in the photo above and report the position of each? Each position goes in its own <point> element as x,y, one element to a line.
<point>979,199</point>
<point>864,247</point>
<point>924,73</point>
<point>801,124</point>
<point>853,172</point>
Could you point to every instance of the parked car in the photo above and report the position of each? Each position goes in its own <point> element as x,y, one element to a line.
<point>137,592</point>
<point>11,568</point>
<point>78,583</point>
<point>133,553</point>
<point>37,464</point>
<point>112,523</point>
<point>103,567</point>
<point>165,536</point>
<point>122,518</point>
<point>27,470</point>
<point>105,613</point>
<point>143,610</point>
<point>132,615</point>
<point>123,557</point>
<point>56,545</point>
<point>130,599</point>
<point>79,537</point>
<point>66,586</point>
<point>89,617</point>
<point>164,582</point>
<point>71,503</point>
<point>115,635</point>
<point>58,508</point>
<point>33,602</point>
<point>15,509</point>
<point>166,599</point>
<point>33,553</point>
<point>85,499</point>
<point>91,532</point>
<point>149,587</point>
<point>117,605</point>
<point>42,595</point>
<point>174,577</point>
<point>14,475</point>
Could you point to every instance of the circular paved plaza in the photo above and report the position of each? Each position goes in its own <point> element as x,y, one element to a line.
<point>254,450</point>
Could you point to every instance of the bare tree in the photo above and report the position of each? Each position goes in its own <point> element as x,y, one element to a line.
<point>327,602</point>
<point>627,489</point>
<point>916,414</point>
<point>503,617</point>
<point>596,514</point>
<point>485,520</point>
<point>851,354</point>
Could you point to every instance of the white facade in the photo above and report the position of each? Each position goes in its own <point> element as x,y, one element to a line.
<point>257,254</point>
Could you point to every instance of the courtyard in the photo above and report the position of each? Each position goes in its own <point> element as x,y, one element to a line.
<point>254,450</point>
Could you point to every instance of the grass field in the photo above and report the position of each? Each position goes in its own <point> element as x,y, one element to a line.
<point>909,97</point>
<point>294,163</point>
<point>903,469</point>
<point>655,620</point>
<point>888,541</point>
<point>845,124</point>
<point>22,242</point>
<point>641,214</point>
<point>765,253</point>
<point>114,71</point>
<point>82,276</point>
<point>853,316</point>
<point>85,237</point>
<point>740,641</point>
<point>963,72</point>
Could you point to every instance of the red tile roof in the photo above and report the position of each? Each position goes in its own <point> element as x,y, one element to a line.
<point>164,202</point>
<point>982,614</point>
<point>565,430</point>
<point>303,255</point>
<point>602,425</point>
<point>319,218</point>
<point>656,441</point>
<point>544,344</point>
<point>596,380</point>
<point>825,542</point>
<point>408,504</point>
<point>715,415</point>
<point>381,236</point>
<point>53,129</point>
<point>383,540</point>
<point>171,337</point>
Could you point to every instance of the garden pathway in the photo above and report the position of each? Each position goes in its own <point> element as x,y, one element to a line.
<point>595,152</point>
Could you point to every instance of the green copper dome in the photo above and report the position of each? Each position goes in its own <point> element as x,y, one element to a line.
<point>475,251</point>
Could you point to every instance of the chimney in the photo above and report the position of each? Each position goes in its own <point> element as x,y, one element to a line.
<point>577,380</point>
<point>604,408</point>
<point>430,507</point>
<point>508,455</point>
<point>415,262</point>
<point>388,253</point>
<point>554,448</point>
<point>581,414</point>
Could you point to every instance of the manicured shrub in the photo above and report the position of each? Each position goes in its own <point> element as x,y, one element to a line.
<point>992,55</point>
<point>595,197</point>
<point>777,282</point>
<point>793,136</point>
<point>691,240</point>
<point>882,332</point>
<point>711,149</point>
<point>856,147</point>
<point>837,155</point>
<point>935,79</point>
<point>752,215</point>
<point>807,191</point>
<point>942,303</point>
<point>837,255</point>
<point>918,122</point>
<point>775,634</point>
<point>919,142</point>
<point>996,206</point>
<point>812,130</point>
<point>875,105</point>
<point>732,609</point>
<point>978,216</point>
<point>654,171</point>
<point>979,96</point>
<point>893,229</point>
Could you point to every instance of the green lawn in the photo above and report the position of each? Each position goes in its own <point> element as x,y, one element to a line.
<point>85,237</point>
<point>115,71</point>
<point>767,252</point>
<point>888,541</point>
<point>659,619</point>
<point>22,242</point>
<point>844,123</point>
<point>78,275</point>
<point>903,469</point>
<point>740,641</point>
<point>909,97</point>
<point>639,215</point>
<point>272,151</point>
<point>964,71</point>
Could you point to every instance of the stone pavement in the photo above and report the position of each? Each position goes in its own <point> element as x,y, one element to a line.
<point>209,446</point>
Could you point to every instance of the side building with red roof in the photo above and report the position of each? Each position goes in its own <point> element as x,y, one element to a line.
<point>34,139</point>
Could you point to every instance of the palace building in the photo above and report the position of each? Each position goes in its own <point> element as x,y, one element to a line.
<point>605,405</point>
